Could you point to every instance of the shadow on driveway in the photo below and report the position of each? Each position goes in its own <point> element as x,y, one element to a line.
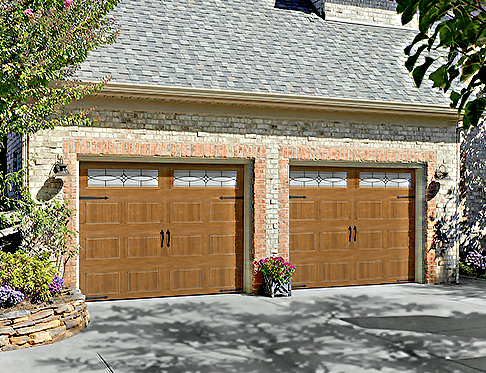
<point>237,333</point>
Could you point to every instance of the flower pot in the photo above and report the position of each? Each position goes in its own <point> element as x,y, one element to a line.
<point>272,288</point>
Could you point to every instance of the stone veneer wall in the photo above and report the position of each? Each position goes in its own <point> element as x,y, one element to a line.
<point>271,143</point>
<point>52,323</point>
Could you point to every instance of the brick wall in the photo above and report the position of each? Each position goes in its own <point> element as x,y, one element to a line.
<point>271,143</point>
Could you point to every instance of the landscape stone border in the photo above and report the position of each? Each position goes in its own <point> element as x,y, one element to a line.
<point>48,324</point>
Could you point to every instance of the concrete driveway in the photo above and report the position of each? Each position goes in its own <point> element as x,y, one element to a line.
<point>386,328</point>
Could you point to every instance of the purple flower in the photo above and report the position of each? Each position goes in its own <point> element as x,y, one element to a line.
<point>10,297</point>
<point>56,285</point>
<point>68,3</point>
<point>29,12</point>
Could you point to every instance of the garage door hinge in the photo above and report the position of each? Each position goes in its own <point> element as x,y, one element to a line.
<point>405,197</point>
<point>302,197</point>
<point>105,197</point>
<point>233,197</point>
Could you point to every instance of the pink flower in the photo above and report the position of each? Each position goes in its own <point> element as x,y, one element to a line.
<point>29,12</point>
<point>68,3</point>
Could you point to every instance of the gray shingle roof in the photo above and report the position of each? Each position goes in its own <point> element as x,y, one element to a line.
<point>252,46</point>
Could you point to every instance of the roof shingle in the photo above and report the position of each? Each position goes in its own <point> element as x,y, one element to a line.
<point>253,46</point>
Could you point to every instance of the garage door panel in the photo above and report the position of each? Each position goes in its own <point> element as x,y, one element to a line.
<point>185,212</point>
<point>370,240</point>
<point>303,210</point>
<point>186,279</point>
<point>222,277</point>
<point>335,272</point>
<point>222,244</point>
<point>101,248</point>
<point>305,274</point>
<point>103,213</point>
<point>370,270</point>
<point>400,209</point>
<point>222,211</point>
<point>366,210</point>
<point>401,239</point>
<point>334,210</point>
<point>102,283</point>
<point>143,247</point>
<point>399,269</point>
<point>143,281</point>
<point>335,240</point>
<point>186,245</point>
<point>303,242</point>
<point>142,213</point>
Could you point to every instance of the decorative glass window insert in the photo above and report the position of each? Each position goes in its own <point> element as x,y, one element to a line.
<point>204,178</point>
<point>321,179</point>
<point>385,179</point>
<point>122,178</point>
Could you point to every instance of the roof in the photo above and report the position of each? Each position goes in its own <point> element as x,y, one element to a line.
<point>265,46</point>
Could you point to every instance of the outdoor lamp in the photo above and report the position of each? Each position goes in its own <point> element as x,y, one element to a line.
<point>60,169</point>
<point>441,173</point>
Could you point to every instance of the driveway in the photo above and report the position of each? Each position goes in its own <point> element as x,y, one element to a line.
<point>384,328</point>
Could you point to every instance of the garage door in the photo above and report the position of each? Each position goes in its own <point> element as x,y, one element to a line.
<point>351,226</point>
<point>149,230</point>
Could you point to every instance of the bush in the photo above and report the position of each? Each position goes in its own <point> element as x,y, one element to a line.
<point>10,297</point>
<point>43,226</point>
<point>31,275</point>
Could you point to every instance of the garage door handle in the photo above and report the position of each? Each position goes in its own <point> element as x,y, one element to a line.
<point>162,239</point>
<point>350,233</point>
<point>355,232</point>
<point>168,238</point>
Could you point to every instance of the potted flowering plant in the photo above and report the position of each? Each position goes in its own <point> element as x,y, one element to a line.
<point>276,274</point>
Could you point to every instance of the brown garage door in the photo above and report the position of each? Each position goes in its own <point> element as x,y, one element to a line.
<point>149,230</point>
<point>351,226</point>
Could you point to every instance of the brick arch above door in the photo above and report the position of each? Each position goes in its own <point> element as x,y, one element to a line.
<point>75,148</point>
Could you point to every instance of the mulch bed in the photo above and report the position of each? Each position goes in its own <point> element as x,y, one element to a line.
<point>64,297</point>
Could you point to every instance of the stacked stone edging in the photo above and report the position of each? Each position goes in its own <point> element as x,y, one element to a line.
<point>49,324</point>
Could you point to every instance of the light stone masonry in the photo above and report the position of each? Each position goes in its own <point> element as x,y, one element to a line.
<point>356,142</point>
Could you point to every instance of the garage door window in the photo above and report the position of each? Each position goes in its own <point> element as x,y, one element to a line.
<point>204,179</point>
<point>320,179</point>
<point>385,179</point>
<point>117,178</point>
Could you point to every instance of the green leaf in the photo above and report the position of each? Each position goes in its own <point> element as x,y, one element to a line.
<point>473,112</point>
<point>440,77</point>
<point>409,12</point>
<point>419,71</point>
<point>469,69</point>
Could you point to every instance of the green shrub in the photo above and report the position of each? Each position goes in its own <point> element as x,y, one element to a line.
<point>31,275</point>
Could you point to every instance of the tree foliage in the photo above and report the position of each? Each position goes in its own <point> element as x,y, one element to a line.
<point>42,44</point>
<point>451,42</point>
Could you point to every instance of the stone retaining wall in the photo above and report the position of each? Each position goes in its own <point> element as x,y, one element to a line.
<point>51,323</point>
